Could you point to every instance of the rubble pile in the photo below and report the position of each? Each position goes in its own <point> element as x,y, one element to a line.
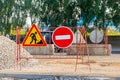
<point>7,54</point>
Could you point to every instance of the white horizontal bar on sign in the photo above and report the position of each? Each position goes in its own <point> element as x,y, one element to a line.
<point>62,37</point>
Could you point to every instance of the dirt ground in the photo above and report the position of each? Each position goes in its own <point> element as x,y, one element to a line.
<point>108,66</point>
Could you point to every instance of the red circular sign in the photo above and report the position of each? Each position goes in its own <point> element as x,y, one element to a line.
<point>62,37</point>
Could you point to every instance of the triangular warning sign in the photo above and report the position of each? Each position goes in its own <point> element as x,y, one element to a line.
<point>34,38</point>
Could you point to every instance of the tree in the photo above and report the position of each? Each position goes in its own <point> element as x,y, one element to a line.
<point>6,11</point>
<point>114,6</point>
<point>58,12</point>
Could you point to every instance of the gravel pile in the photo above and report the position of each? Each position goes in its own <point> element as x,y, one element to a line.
<point>7,51</point>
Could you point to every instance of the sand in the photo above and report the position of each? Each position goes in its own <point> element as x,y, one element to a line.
<point>105,66</point>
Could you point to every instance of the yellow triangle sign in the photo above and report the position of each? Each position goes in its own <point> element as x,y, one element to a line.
<point>34,37</point>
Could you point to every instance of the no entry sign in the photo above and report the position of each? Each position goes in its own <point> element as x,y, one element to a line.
<point>62,37</point>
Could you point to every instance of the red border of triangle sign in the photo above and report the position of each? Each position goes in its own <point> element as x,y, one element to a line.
<point>28,37</point>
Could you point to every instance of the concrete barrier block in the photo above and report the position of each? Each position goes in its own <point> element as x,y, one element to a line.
<point>93,49</point>
<point>41,50</point>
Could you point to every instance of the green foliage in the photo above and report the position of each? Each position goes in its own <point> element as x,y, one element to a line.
<point>57,12</point>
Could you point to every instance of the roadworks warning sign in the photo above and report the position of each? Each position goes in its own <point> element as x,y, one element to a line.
<point>34,37</point>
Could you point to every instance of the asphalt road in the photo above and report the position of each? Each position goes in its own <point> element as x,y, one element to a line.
<point>50,77</point>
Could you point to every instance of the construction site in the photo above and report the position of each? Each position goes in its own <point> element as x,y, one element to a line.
<point>59,40</point>
<point>46,58</point>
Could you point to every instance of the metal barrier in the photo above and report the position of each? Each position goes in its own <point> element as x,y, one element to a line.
<point>80,47</point>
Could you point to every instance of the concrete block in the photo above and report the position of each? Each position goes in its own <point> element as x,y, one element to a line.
<point>93,49</point>
<point>41,50</point>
